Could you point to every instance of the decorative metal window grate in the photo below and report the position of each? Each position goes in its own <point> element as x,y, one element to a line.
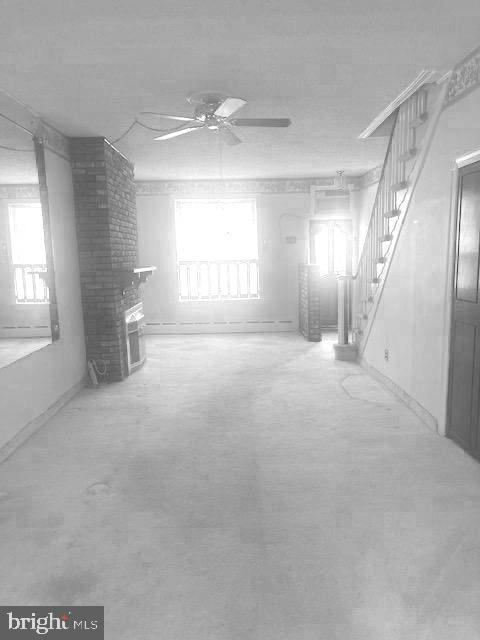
<point>28,252</point>
<point>217,249</point>
<point>218,280</point>
<point>30,286</point>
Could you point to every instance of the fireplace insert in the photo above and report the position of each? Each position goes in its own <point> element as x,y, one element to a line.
<point>134,323</point>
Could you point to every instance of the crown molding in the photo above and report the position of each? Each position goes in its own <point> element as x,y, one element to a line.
<point>464,78</point>
<point>423,77</point>
<point>19,191</point>
<point>372,176</point>
<point>18,113</point>
<point>208,187</point>
<point>53,139</point>
<point>24,117</point>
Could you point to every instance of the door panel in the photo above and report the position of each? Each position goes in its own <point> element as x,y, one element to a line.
<point>331,250</point>
<point>468,239</point>
<point>464,383</point>
<point>328,290</point>
<point>463,370</point>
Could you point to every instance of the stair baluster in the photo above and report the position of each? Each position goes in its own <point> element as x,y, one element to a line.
<point>401,155</point>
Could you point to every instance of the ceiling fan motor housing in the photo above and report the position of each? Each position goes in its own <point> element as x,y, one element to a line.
<point>205,106</point>
<point>206,102</point>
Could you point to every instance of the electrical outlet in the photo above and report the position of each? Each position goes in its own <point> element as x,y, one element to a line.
<point>386,355</point>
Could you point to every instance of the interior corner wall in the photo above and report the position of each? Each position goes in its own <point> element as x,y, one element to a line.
<point>33,384</point>
<point>279,215</point>
<point>413,316</point>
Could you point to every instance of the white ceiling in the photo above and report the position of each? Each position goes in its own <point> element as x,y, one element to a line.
<point>89,66</point>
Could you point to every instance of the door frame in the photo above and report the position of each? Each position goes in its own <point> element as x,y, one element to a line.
<point>333,220</point>
<point>461,162</point>
<point>315,215</point>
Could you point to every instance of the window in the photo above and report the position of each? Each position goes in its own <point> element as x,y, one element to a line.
<point>28,253</point>
<point>330,246</point>
<point>217,249</point>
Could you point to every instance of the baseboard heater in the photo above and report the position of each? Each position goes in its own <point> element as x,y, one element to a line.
<point>283,325</point>
<point>25,331</point>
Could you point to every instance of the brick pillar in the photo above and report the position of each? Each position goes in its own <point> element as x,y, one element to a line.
<point>107,242</point>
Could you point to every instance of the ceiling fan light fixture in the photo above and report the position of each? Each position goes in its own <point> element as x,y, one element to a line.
<point>214,111</point>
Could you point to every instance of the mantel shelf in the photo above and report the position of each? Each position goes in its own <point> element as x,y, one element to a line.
<point>135,276</point>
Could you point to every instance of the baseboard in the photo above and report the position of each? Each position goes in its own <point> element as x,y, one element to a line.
<point>31,427</point>
<point>422,413</point>
<point>224,326</point>
<point>33,331</point>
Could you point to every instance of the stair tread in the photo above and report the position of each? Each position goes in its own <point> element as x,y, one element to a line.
<point>408,154</point>
<point>419,120</point>
<point>391,213</point>
<point>399,186</point>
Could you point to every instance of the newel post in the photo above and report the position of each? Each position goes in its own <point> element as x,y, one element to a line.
<point>344,350</point>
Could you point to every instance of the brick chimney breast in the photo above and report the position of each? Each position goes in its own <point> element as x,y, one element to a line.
<point>106,219</point>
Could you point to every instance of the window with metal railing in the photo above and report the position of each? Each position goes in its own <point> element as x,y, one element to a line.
<point>30,285</point>
<point>28,253</point>
<point>217,249</point>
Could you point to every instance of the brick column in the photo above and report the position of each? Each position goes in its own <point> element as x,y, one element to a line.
<point>107,242</point>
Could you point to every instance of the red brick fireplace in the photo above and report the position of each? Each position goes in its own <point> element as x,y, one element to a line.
<point>107,242</point>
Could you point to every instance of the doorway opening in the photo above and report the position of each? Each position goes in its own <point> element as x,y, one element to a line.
<point>463,422</point>
<point>331,253</point>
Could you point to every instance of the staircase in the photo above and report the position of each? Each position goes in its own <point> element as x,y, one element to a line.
<point>414,123</point>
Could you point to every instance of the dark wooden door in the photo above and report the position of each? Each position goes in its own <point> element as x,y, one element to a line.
<point>331,251</point>
<point>464,384</point>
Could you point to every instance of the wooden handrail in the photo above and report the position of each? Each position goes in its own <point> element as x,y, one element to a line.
<point>382,174</point>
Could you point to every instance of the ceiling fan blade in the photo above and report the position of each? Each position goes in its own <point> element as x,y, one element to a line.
<point>177,132</point>
<point>229,106</point>
<point>228,136</point>
<point>167,116</point>
<point>261,122</point>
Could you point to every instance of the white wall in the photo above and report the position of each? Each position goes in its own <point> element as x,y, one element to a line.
<point>278,269</point>
<point>28,387</point>
<point>413,317</point>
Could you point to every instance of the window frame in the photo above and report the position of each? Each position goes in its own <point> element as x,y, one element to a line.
<point>219,199</point>
<point>11,205</point>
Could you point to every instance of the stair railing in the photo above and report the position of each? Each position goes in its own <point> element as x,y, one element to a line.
<point>391,191</point>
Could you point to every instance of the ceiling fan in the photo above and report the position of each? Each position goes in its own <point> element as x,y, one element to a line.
<point>214,111</point>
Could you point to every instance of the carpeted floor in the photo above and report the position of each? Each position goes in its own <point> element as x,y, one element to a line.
<point>245,487</point>
<point>12,349</point>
